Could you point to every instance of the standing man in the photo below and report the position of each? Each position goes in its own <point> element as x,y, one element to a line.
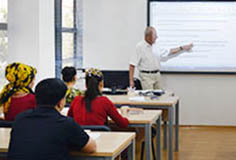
<point>148,61</point>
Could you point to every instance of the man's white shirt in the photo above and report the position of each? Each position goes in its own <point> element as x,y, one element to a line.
<point>148,57</point>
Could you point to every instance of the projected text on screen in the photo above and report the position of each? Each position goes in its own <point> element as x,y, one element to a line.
<point>210,26</point>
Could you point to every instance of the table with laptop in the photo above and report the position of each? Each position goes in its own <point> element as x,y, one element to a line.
<point>148,100</point>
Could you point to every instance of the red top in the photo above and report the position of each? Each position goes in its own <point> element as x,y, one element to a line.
<point>102,107</point>
<point>20,104</point>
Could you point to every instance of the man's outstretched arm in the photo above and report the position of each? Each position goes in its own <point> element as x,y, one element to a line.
<point>181,48</point>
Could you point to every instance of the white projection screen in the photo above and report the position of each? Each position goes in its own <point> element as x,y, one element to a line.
<point>209,25</point>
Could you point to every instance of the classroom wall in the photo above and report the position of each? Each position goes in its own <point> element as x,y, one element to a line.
<point>31,35</point>
<point>205,99</point>
<point>111,30</point>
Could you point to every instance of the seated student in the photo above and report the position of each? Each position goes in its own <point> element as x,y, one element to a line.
<point>93,108</point>
<point>17,96</point>
<point>45,134</point>
<point>69,77</point>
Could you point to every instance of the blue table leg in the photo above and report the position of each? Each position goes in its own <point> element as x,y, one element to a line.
<point>177,126</point>
<point>148,138</point>
<point>158,138</point>
<point>170,117</point>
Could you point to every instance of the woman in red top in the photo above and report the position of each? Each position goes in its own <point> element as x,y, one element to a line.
<point>93,108</point>
<point>17,96</point>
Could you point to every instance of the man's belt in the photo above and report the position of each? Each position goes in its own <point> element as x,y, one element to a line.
<point>155,71</point>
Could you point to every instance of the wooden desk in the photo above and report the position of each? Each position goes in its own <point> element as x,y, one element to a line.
<point>109,145</point>
<point>145,120</point>
<point>166,101</point>
<point>4,139</point>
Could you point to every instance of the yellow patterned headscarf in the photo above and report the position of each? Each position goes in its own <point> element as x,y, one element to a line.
<point>19,76</point>
<point>93,72</point>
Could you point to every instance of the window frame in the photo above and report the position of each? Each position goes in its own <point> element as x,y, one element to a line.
<point>4,28</point>
<point>76,30</point>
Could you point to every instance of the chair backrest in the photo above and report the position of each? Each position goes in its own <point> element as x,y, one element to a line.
<point>137,84</point>
<point>5,124</point>
<point>96,127</point>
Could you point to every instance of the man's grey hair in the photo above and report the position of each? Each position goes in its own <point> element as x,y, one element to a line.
<point>149,31</point>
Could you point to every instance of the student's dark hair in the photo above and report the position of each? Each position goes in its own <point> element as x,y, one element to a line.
<point>68,73</point>
<point>92,83</point>
<point>49,92</point>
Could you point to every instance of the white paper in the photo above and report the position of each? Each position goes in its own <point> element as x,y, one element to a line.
<point>94,135</point>
<point>65,111</point>
<point>137,98</point>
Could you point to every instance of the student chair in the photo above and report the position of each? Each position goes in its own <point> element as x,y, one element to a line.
<point>5,124</point>
<point>137,84</point>
<point>96,127</point>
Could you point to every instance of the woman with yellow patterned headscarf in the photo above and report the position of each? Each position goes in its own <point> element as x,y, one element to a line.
<point>17,96</point>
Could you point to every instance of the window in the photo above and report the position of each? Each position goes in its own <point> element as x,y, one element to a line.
<point>68,39</point>
<point>3,11</point>
<point>3,41</point>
